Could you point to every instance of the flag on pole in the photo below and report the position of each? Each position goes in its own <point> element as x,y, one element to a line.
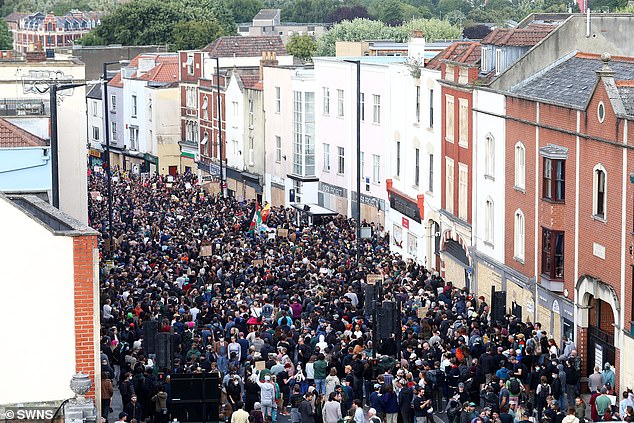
<point>265,212</point>
<point>256,222</point>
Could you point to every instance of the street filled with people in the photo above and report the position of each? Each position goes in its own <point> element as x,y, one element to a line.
<point>282,318</point>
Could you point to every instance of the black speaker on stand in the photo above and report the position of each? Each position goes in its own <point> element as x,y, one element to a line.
<point>150,330</point>
<point>195,398</point>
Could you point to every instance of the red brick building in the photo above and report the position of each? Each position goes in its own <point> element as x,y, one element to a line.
<point>567,130</point>
<point>459,65</point>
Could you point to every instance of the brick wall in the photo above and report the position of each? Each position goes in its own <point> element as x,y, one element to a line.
<point>85,345</point>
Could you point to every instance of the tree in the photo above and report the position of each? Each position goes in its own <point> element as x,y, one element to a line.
<point>476,32</point>
<point>348,13</point>
<point>245,10</point>
<point>365,29</point>
<point>141,22</point>
<point>391,12</point>
<point>6,40</point>
<point>192,35</point>
<point>301,46</point>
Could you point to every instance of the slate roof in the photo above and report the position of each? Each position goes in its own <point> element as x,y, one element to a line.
<point>14,136</point>
<point>626,92</point>
<point>95,92</point>
<point>467,52</point>
<point>518,37</point>
<point>572,81</point>
<point>239,46</point>
<point>15,16</point>
<point>267,14</point>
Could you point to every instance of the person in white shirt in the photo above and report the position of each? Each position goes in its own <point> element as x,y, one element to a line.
<point>358,411</point>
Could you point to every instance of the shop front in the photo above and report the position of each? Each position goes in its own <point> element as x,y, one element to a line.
<point>333,197</point>
<point>406,224</point>
<point>556,314</point>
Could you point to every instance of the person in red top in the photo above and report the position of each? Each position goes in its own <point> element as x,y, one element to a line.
<point>594,414</point>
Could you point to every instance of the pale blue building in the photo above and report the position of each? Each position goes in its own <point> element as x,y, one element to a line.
<point>25,161</point>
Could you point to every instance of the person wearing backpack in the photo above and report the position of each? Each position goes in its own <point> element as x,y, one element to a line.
<point>541,396</point>
<point>515,389</point>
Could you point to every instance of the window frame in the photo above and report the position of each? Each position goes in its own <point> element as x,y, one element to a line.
<point>599,200</point>
<point>463,124</point>
<point>341,160</point>
<point>554,180</point>
<point>431,108</point>
<point>278,149</point>
<point>549,267</point>
<point>278,100</point>
<point>376,109</point>
<point>449,118</point>
<point>489,156</point>
<point>519,235</point>
<point>417,115</point>
<point>340,102</point>
<point>489,221</point>
<point>326,101</point>
<point>416,166</point>
<point>431,173</point>
<point>463,191</point>
<point>398,159</point>
<point>376,169</point>
<point>520,168</point>
<point>449,184</point>
<point>326,157</point>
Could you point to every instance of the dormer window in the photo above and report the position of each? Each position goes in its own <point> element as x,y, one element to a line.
<point>499,56</point>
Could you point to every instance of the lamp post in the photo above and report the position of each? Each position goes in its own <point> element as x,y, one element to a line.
<point>223,179</point>
<point>358,214</point>
<point>106,123</point>
<point>53,89</point>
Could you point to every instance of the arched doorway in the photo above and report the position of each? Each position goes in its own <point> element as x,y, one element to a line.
<point>598,312</point>
<point>600,333</point>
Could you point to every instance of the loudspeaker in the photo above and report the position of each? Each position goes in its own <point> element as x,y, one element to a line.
<point>370,299</point>
<point>195,411</point>
<point>164,350</point>
<point>498,309</point>
<point>387,320</point>
<point>195,397</point>
<point>150,330</point>
<point>195,387</point>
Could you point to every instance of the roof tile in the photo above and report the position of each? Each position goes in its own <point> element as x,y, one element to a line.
<point>239,46</point>
<point>467,52</point>
<point>14,136</point>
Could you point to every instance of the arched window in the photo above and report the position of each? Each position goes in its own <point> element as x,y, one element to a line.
<point>519,235</point>
<point>598,192</point>
<point>520,166</point>
<point>489,155</point>
<point>489,223</point>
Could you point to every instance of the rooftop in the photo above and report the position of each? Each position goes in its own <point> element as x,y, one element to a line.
<point>12,136</point>
<point>95,92</point>
<point>267,14</point>
<point>572,81</point>
<point>239,46</point>
<point>467,52</point>
<point>518,37</point>
<point>56,221</point>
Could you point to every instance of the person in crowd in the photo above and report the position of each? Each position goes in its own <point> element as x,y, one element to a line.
<point>252,291</point>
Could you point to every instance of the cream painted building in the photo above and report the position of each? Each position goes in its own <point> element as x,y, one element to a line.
<point>28,81</point>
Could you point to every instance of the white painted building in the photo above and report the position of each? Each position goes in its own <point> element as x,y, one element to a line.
<point>51,268</point>
<point>336,118</point>
<point>415,165</point>
<point>144,71</point>
<point>234,104</point>
<point>289,106</point>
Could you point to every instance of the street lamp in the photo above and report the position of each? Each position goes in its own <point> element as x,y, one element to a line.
<point>358,214</point>
<point>223,179</point>
<point>106,131</point>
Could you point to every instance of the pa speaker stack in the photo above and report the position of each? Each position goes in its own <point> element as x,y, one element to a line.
<point>195,397</point>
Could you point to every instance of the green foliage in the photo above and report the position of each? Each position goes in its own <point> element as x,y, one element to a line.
<point>301,46</point>
<point>365,29</point>
<point>245,10</point>
<point>140,22</point>
<point>308,10</point>
<point>192,35</point>
<point>6,40</point>
<point>59,7</point>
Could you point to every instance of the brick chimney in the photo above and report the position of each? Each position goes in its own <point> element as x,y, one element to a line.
<point>269,58</point>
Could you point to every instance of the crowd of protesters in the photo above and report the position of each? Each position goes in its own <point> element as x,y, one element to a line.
<point>283,321</point>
